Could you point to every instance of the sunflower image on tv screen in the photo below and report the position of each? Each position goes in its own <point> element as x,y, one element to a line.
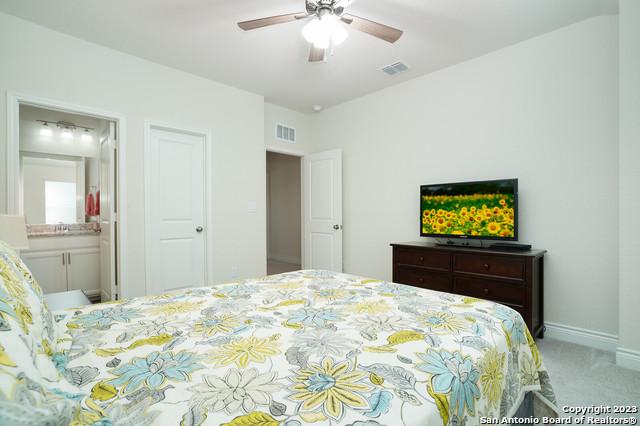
<point>474,210</point>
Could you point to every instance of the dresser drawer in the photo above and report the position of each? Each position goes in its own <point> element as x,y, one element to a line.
<point>423,279</point>
<point>432,260</point>
<point>490,290</point>
<point>501,266</point>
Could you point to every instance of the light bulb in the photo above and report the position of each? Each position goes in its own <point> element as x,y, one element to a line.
<point>322,42</point>
<point>46,131</point>
<point>315,32</point>
<point>336,31</point>
<point>324,31</point>
<point>67,134</point>
<point>309,30</point>
<point>86,136</point>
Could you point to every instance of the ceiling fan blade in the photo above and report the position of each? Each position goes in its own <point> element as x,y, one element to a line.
<point>375,29</point>
<point>272,20</point>
<point>317,55</point>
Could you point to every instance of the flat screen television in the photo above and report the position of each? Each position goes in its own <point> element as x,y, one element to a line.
<point>485,210</point>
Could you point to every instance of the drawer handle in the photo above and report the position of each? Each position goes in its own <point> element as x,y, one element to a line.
<point>421,259</point>
<point>486,266</point>
<point>486,291</point>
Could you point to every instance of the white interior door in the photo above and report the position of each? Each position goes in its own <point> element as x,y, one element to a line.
<point>175,211</point>
<point>108,275</point>
<point>323,211</point>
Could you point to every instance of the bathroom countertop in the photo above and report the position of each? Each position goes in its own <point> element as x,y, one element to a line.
<point>76,229</point>
<point>44,234</point>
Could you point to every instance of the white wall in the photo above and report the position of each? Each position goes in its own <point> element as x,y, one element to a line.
<point>544,111</point>
<point>274,114</point>
<point>629,179</point>
<point>41,62</point>
<point>285,206</point>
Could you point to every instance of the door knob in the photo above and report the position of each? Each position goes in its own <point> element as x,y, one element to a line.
<point>336,227</point>
<point>199,229</point>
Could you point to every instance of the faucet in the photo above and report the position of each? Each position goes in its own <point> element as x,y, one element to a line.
<point>61,227</point>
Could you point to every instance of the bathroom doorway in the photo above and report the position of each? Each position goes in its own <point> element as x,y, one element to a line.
<point>62,163</point>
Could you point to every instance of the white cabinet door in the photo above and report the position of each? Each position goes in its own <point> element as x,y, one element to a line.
<point>48,268</point>
<point>83,270</point>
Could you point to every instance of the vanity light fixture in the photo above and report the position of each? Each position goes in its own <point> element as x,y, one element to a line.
<point>46,130</point>
<point>67,129</point>
<point>67,133</point>
<point>86,136</point>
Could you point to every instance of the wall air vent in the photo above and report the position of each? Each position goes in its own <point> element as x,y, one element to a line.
<point>285,133</point>
<point>395,68</point>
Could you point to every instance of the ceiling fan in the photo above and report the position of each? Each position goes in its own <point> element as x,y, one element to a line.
<point>325,30</point>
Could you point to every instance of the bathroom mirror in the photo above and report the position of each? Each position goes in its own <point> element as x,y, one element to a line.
<point>53,188</point>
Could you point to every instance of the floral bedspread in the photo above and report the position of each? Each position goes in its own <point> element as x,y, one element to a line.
<point>308,347</point>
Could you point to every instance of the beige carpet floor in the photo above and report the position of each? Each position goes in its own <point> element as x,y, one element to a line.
<point>584,376</point>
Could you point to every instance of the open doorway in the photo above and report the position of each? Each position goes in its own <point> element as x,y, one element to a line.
<point>284,213</point>
<point>62,163</point>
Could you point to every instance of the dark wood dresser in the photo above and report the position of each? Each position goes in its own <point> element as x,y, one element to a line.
<point>512,278</point>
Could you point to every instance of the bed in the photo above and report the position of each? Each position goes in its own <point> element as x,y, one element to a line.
<point>307,347</point>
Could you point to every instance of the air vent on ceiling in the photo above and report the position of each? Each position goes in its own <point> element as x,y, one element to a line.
<point>285,133</point>
<point>395,68</point>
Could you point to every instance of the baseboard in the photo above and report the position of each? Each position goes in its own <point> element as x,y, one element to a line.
<point>580,336</point>
<point>628,358</point>
<point>285,259</point>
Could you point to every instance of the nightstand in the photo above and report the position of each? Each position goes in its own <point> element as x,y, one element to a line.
<point>66,300</point>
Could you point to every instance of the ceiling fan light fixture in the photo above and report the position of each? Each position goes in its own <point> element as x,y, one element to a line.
<point>316,33</point>
<point>327,25</point>
<point>337,32</point>
<point>324,31</point>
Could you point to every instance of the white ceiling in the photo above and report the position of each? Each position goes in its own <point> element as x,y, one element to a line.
<point>201,37</point>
